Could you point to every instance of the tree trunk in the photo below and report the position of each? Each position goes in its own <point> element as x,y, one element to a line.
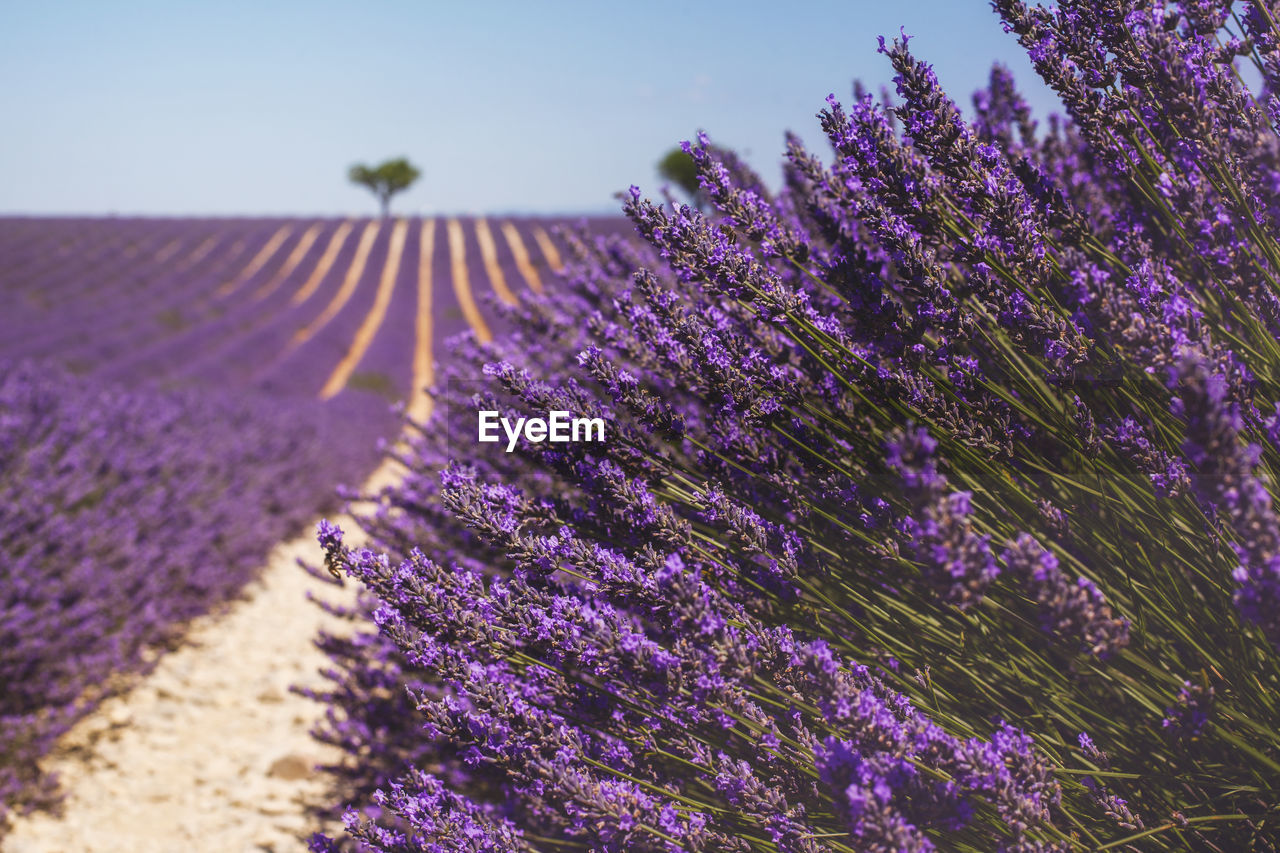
<point>386,205</point>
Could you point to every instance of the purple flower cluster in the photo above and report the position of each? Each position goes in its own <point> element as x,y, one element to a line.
<point>1069,608</point>
<point>939,533</point>
<point>1190,713</point>
<point>605,738</point>
<point>1225,479</point>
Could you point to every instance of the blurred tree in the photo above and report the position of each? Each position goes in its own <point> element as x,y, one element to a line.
<point>386,179</point>
<point>678,168</point>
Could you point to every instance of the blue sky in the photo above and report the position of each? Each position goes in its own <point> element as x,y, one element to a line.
<point>541,107</point>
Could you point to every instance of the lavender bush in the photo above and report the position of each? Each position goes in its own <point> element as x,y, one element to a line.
<point>935,511</point>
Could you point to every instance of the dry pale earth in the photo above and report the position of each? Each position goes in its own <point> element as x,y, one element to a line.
<point>210,752</point>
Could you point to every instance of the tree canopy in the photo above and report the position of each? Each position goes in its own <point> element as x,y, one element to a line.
<point>678,167</point>
<point>385,179</point>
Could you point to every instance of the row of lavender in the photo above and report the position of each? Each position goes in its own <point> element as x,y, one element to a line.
<point>161,426</point>
<point>937,508</point>
<point>266,303</point>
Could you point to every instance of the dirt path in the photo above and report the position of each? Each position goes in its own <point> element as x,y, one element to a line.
<point>424,371</point>
<point>211,752</point>
<point>548,249</point>
<point>326,262</point>
<point>259,261</point>
<point>489,256</point>
<point>349,284</point>
<point>462,281</point>
<point>290,264</point>
<point>373,320</point>
<point>521,255</point>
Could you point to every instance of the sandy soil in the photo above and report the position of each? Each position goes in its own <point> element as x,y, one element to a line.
<point>211,752</point>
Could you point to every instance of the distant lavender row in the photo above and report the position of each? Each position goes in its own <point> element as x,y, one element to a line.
<point>239,301</point>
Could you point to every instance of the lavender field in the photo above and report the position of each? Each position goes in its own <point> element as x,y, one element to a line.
<point>178,396</point>
<point>922,500</point>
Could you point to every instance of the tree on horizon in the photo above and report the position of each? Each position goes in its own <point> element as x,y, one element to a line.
<point>385,180</point>
<point>678,167</point>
